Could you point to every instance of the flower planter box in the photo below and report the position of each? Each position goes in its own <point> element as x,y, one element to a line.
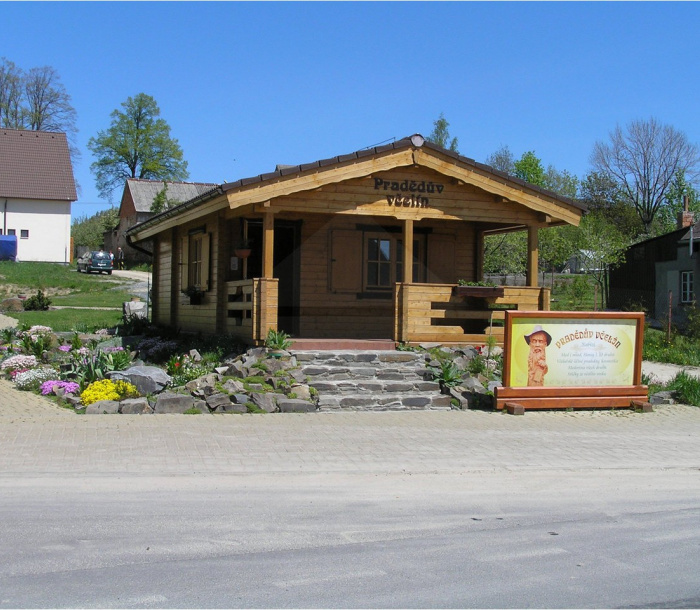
<point>483,292</point>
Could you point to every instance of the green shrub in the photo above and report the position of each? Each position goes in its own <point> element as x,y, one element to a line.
<point>447,373</point>
<point>686,388</point>
<point>39,302</point>
<point>277,340</point>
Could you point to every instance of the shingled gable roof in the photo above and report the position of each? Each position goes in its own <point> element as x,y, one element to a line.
<point>35,165</point>
<point>288,171</point>
<point>144,191</point>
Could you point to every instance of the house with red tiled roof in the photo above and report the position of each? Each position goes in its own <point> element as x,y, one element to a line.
<point>135,207</point>
<point>37,188</point>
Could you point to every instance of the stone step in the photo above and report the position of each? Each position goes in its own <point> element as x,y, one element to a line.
<point>322,371</point>
<point>355,358</point>
<point>394,401</point>
<point>357,386</point>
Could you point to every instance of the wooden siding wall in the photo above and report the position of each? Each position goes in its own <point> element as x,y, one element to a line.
<point>350,314</point>
<point>163,267</point>
<point>199,318</point>
<point>366,197</point>
<point>431,312</point>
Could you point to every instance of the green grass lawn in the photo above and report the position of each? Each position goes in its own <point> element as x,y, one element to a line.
<point>66,320</point>
<point>50,278</point>
<point>106,298</point>
<point>67,288</point>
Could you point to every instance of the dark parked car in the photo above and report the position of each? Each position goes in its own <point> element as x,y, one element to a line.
<point>97,260</point>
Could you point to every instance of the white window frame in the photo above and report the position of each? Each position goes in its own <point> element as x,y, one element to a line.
<point>687,287</point>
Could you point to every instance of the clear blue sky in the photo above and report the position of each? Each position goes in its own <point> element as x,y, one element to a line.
<point>245,86</point>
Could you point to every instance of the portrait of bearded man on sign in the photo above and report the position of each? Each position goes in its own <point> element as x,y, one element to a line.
<point>538,340</point>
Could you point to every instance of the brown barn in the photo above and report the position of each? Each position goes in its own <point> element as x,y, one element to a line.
<point>319,250</point>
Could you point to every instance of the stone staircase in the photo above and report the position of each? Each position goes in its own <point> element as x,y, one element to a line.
<point>371,380</point>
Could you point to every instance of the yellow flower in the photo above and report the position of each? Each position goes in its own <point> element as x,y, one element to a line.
<point>106,389</point>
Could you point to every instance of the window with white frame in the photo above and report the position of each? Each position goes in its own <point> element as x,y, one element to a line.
<point>384,261</point>
<point>687,288</point>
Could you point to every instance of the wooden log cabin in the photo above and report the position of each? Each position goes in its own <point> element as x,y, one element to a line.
<point>320,250</point>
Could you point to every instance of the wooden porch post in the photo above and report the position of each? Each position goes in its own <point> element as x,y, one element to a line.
<point>408,251</point>
<point>268,244</point>
<point>532,249</point>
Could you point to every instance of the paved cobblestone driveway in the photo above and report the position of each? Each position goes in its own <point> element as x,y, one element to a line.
<point>37,437</point>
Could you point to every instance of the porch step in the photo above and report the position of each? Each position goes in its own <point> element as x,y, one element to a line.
<point>371,380</point>
<point>334,345</point>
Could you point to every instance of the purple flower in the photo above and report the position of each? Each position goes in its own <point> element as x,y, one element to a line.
<point>70,387</point>
<point>64,348</point>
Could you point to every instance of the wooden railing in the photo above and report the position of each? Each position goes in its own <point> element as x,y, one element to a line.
<point>251,308</point>
<point>437,313</point>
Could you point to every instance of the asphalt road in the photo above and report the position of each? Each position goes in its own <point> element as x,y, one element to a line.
<point>461,509</point>
<point>491,540</point>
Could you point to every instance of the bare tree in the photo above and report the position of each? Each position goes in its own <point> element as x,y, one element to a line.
<point>643,159</point>
<point>48,103</point>
<point>11,112</point>
<point>36,100</point>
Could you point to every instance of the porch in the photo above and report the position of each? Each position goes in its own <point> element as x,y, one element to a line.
<point>422,313</point>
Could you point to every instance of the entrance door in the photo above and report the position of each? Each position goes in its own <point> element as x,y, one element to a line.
<point>286,268</point>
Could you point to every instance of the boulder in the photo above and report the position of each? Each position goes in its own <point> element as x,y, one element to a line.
<point>267,402</point>
<point>294,405</point>
<point>232,408</point>
<point>215,401</point>
<point>147,379</point>
<point>103,407</point>
<point>302,391</point>
<point>233,387</point>
<point>134,309</point>
<point>135,406</point>
<point>167,402</point>
<point>11,304</point>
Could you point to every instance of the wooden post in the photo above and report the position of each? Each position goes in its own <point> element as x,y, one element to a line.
<point>670,315</point>
<point>407,251</point>
<point>532,246</point>
<point>268,265</point>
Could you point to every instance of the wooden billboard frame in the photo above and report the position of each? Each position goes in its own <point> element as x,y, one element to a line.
<point>576,397</point>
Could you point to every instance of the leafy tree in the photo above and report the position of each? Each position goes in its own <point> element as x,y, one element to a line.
<point>643,159</point>
<point>136,145</point>
<point>89,231</point>
<point>529,168</point>
<point>36,100</point>
<point>505,254</point>
<point>561,182</point>
<point>161,201</point>
<point>441,134</point>
<point>602,195</point>
<point>556,246</point>
<point>679,189</point>
<point>602,247</point>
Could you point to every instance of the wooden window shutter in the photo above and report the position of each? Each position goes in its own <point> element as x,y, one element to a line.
<point>184,262</point>
<point>441,259</point>
<point>346,261</point>
<point>206,257</point>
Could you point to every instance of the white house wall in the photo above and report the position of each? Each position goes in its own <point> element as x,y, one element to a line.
<point>48,226</point>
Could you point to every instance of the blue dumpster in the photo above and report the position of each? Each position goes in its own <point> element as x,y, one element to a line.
<point>8,247</point>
